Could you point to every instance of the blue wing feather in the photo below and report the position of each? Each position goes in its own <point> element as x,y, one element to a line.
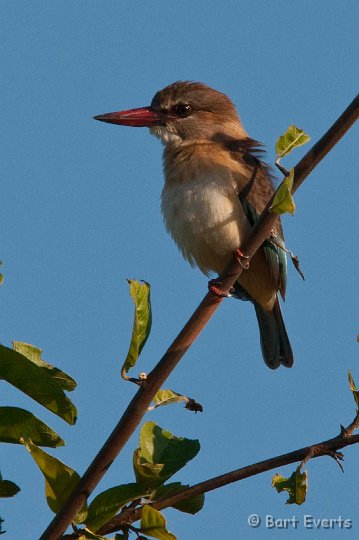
<point>276,257</point>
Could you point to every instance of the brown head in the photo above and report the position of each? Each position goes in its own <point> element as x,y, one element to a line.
<point>184,111</point>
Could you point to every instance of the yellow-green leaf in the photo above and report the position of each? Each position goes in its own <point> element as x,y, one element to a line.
<point>166,397</point>
<point>296,486</point>
<point>283,201</point>
<point>153,523</point>
<point>353,388</point>
<point>60,479</point>
<point>291,139</point>
<point>16,424</point>
<point>140,293</point>
<point>34,354</point>
<point>147,474</point>
<point>33,380</point>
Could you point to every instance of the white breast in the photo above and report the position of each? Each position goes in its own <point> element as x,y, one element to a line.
<point>206,220</point>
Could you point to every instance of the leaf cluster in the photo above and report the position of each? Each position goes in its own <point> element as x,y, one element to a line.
<point>23,368</point>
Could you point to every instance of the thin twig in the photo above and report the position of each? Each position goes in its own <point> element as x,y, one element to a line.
<point>138,405</point>
<point>346,432</point>
<point>324,448</point>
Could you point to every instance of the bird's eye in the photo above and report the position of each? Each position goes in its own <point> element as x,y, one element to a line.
<point>182,110</point>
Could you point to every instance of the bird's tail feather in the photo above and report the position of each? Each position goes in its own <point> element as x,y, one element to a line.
<point>275,343</point>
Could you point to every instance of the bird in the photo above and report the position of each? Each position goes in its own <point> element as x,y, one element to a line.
<point>216,185</point>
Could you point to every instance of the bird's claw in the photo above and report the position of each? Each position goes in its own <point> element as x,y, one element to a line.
<point>214,286</point>
<point>239,256</point>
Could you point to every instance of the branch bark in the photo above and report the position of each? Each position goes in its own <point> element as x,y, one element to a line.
<point>139,404</point>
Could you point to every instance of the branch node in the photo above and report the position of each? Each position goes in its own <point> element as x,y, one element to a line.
<point>348,431</point>
<point>282,169</point>
<point>312,451</point>
<point>294,258</point>
<point>338,457</point>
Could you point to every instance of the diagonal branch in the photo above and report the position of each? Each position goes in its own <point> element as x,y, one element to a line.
<point>138,405</point>
<point>324,448</point>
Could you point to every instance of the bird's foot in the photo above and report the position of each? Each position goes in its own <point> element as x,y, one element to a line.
<point>241,259</point>
<point>214,286</point>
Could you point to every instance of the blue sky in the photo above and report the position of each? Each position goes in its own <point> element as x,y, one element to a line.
<point>80,214</point>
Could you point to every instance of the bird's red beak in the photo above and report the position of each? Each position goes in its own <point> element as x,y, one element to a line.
<point>143,117</point>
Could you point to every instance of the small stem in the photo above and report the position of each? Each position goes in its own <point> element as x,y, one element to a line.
<point>282,169</point>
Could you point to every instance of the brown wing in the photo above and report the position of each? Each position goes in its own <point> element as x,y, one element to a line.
<point>255,196</point>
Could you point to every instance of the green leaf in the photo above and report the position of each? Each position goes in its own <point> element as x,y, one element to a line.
<point>109,502</point>
<point>33,380</point>
<point>60,479</point>
<point>296,486</point>
<point>153,523</point>
<point>16,423</point>
<point>353,388</point>
<point>190,506</point>
<point>147,474</point>
<point>283,201</point>
<point>142,321</point>
<point>8,488</point>
<point>161,454</point>
<point>291,139</point>
<point>34,354</point>
<point>166,397</point>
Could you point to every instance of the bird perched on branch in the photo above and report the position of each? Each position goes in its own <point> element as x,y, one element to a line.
<point>215,188</point>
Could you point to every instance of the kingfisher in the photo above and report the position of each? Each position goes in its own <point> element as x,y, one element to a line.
<point>216,185</point>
